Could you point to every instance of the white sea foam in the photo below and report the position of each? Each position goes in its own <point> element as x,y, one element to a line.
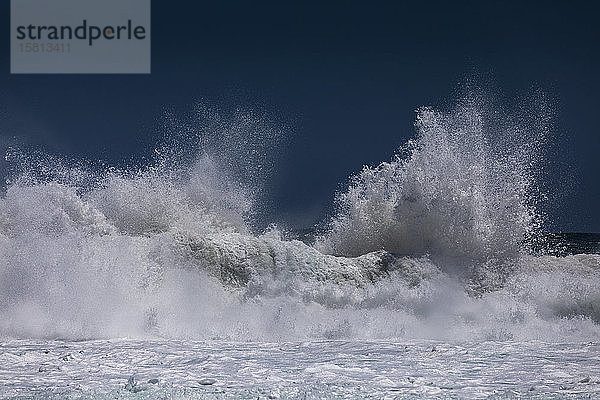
<point>429,245</point>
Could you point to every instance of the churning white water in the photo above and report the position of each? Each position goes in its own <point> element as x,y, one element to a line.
<point>432,245</point>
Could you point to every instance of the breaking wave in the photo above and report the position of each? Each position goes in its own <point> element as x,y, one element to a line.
<point>433,244</point>
<point>464,187</point>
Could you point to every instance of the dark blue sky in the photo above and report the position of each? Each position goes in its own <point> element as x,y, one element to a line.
<point>346,75</point>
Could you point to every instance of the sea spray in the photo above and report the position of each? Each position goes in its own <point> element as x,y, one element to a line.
<point>169,250</point>
<point>464,187</point>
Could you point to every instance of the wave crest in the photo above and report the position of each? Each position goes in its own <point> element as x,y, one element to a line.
<point>464,187</point>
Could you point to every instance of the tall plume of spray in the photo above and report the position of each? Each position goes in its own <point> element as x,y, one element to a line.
<point>464,187</point>
<point>233,157</point>
<point>69,229</point>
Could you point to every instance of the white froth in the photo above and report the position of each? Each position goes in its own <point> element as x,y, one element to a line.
<point>428,246</point>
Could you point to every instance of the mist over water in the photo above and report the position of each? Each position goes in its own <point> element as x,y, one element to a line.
<point>432,244</point>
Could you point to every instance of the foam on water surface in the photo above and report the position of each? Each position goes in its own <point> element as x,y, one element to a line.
<point>150,369</point>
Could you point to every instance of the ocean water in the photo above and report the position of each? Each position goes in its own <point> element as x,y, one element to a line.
<point>433,278</point>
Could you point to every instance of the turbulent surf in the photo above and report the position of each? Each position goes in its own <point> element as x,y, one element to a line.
<point>437,243</point>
